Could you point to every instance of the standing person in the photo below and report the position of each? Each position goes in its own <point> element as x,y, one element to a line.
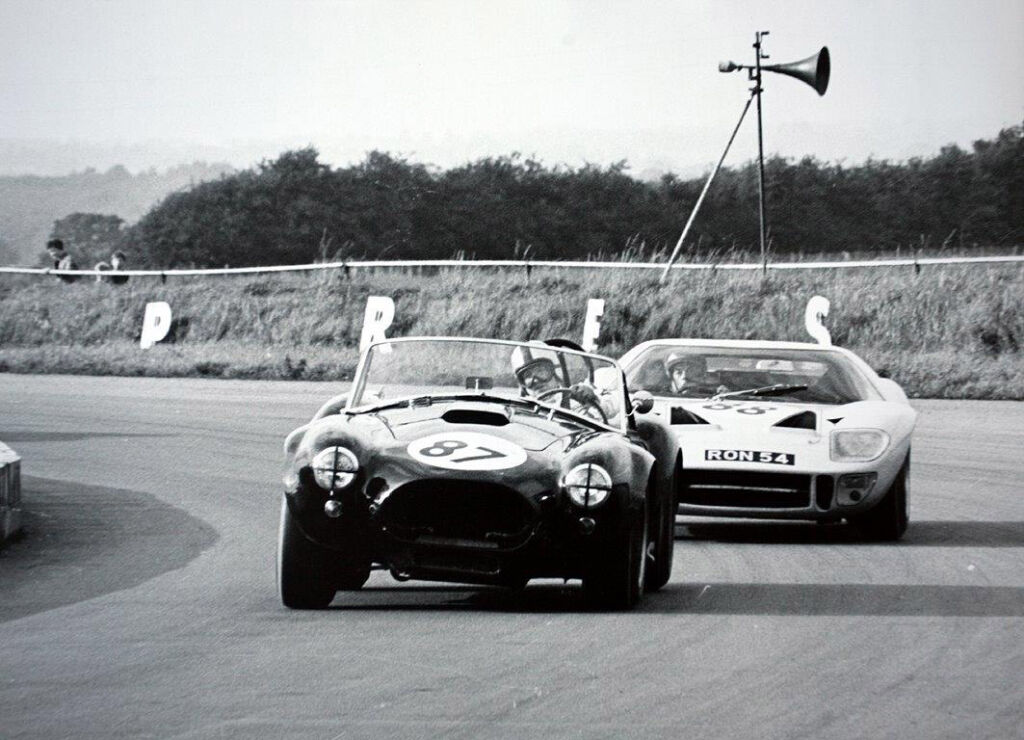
<point>118,263</point>
<point>61,259</point>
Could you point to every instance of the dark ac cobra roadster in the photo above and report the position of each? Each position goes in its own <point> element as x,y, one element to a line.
<point>480,461</point>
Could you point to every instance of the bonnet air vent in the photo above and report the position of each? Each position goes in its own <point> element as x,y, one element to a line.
<point>803,420</point>
<point>680,415</point>
<point>475,416</point>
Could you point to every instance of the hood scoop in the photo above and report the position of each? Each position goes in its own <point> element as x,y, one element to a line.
<point>803,420</point>
<point>476,413</point>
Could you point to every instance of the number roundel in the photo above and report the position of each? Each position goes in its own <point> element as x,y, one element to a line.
<point>466,451</point>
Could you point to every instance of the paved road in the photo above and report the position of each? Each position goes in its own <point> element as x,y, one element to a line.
<point>141,602</point>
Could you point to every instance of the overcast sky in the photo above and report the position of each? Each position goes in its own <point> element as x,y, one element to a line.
<point>155,82</point>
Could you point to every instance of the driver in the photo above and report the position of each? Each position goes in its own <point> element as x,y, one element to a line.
<point>537,373</point>
<point>535,369</point>
<point>688,375</point>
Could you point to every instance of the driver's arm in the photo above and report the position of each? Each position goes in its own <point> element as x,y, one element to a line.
<point>585,393</point>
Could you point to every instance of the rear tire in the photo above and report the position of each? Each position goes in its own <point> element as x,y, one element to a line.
<point>888,520</point>
<point>616,576</point>
<point>305,571</point>
<point>659,569</point>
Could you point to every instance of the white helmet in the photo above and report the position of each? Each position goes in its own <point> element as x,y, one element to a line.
<point>534,357</point>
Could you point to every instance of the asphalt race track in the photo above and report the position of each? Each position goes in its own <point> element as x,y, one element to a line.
<point>141,600</point>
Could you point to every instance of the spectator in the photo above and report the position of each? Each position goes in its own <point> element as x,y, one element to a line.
<point>102,266</point>
<point>61,259</point>
<point>117,262</point>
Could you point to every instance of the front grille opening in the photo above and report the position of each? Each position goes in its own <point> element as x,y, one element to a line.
<point>824,488</point>
<point>458,513</point>
<point>753,490</point>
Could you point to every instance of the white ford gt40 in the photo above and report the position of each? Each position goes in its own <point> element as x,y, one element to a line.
<point>782,430</point>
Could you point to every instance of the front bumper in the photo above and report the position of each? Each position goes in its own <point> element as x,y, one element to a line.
<point>770,494</point>
<point>463,530</point>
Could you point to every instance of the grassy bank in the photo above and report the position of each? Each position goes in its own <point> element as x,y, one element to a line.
<point>949,331</point>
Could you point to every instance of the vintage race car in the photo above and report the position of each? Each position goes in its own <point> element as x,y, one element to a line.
<point>782,430</point>
<point>480,461</point>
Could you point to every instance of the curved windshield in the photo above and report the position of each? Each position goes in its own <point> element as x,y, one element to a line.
<point>786,375</point>
<point>561,379</point>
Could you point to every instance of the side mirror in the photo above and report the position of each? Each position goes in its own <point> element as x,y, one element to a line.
<point>643,402</point>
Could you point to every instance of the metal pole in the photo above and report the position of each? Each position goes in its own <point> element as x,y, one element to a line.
<point>696,207</point>
<point>760,150</point>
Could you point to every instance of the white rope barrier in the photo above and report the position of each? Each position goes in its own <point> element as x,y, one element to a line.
<point>528,264</point>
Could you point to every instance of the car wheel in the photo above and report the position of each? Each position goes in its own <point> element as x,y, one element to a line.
<point>304,569</point>
<point>352,578</point>
<point>888,520</point>
<point>662,545</point>
<point>615,578</point>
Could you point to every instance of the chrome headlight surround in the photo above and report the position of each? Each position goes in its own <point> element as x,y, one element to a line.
<point>588,485</point>
<point>334,468</point>
<point>857,445</point>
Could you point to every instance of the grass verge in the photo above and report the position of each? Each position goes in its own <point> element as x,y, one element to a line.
<point>945,332</point>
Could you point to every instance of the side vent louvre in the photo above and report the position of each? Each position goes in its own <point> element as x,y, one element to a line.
<point>679,415</point>
<point>803,420</point>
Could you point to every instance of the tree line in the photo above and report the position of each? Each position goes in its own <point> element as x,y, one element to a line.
<point>29,204</point>
<point>296,209</point>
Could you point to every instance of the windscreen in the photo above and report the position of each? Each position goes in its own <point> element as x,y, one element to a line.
<point>583,384</point>
<point>702,372</point>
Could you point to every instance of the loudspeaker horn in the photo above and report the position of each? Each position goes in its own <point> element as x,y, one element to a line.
<point>814,70</point>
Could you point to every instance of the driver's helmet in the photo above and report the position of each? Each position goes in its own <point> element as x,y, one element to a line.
<point>534,366</point>
<point>695,365</point>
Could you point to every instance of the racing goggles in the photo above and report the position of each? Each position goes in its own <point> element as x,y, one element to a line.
<point>535,372</point>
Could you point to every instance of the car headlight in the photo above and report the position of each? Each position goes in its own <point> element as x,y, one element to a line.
<point>858,445</point>
<point>588,485</point>
<point>334,468</point>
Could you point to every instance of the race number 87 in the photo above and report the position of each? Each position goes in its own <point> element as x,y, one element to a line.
<point>446,447</point>
<point>467,451</point>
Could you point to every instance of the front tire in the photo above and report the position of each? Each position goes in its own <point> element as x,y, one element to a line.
<point>888,520</point>
<point>304,569</point>
<point>615,578</point>
<point>659,568</point>
<point>352,578</point>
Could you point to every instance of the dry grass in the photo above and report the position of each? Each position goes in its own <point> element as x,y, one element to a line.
<point>950,331</point>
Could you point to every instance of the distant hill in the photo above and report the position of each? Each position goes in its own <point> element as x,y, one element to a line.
<point>29,204</point>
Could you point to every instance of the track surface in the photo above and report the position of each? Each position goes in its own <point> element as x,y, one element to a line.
<point>141,601</point>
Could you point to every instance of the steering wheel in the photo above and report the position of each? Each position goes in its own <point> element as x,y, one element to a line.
<point>587,405</point>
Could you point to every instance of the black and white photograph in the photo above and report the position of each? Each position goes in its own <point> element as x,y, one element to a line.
<point>511,369</point>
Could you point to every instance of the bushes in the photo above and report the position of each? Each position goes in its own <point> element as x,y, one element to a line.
<point>295,209</point>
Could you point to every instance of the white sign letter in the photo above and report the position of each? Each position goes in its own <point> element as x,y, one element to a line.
<point>380,312</point>
<point>156,322</point>
<point>817,309</point>
<point>592,325</point>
